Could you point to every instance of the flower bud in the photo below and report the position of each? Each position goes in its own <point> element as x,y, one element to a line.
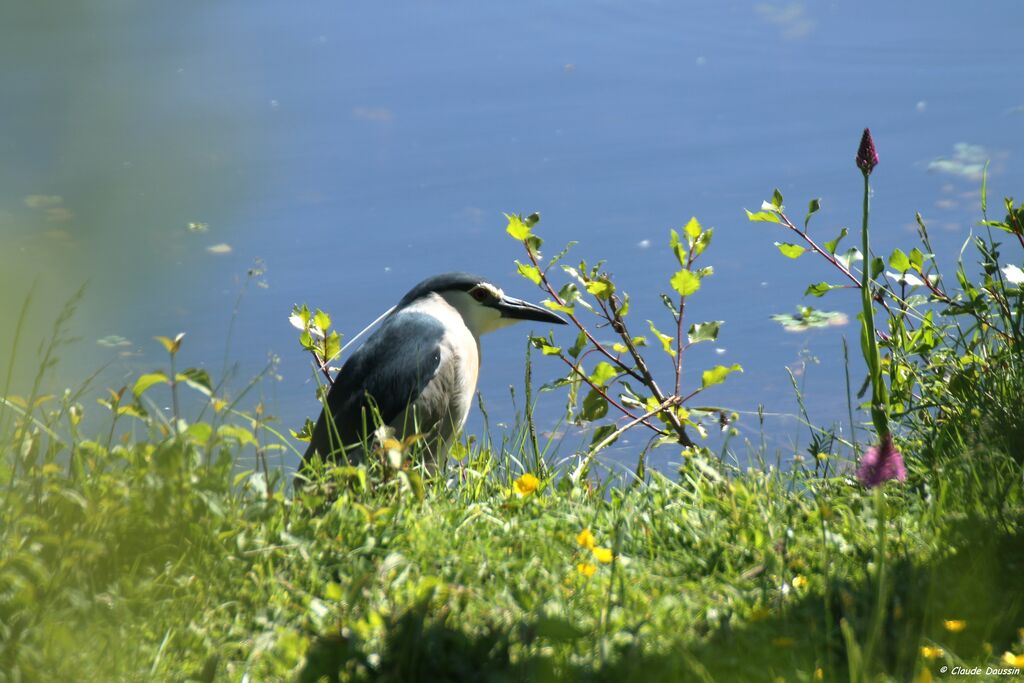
<point>867,157</point>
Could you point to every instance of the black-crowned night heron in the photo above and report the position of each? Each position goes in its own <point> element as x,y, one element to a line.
<point>419,369</point>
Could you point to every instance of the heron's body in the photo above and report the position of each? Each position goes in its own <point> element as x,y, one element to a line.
<point>418,371</point>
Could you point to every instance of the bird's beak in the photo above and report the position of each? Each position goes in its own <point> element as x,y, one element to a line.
<point>517,309</point>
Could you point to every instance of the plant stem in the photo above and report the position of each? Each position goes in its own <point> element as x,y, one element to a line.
<point>869,345</point>
<point>174,395</point>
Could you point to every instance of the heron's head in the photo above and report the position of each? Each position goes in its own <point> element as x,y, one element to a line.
<point>484,306</point>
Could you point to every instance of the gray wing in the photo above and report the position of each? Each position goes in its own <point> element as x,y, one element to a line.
<point>392,368</point>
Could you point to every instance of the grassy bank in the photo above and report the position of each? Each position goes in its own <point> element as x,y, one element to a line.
<point>152,560</point>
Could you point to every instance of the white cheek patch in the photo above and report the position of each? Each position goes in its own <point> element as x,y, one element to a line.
<point>501,322</point>
<point>484,319</point>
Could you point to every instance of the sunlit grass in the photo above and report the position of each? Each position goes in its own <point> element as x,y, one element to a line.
<point>156,558</point>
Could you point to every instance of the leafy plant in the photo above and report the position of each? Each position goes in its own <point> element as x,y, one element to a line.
<point>618,375</point>
<point>953,358</point>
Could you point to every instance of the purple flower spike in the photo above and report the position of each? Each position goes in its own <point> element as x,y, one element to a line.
<point>881,463</point>
<point>867,157</point>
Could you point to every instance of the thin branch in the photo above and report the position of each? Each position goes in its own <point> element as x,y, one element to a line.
<point>585,463</point>
<point>604,394</point>
<point>572,316</point>
<point>648,378</point>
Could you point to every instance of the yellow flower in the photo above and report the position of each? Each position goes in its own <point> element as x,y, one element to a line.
<point>1010,659</point>
<point>586,539</point>
<point>602,555</point>
<point>799,582</point>
<point>526,484</point>
<point>929,652</point>
<point>586,568</point>
<point>955,625</point>
<point>819,674</point>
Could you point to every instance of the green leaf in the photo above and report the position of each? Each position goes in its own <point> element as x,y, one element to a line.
<point>200,432</point>
<point>236,433</point>
<point>304,434</point>
<point>558,307</point>
<point>916,259</point>
<point>812,209</point>
<point>603,373</point>
<point>601,433</point>
<point>777,199</point>
<point>701,332</point>
<point>299,317</point>
<point>765,216</point>
<point>172,345</point>
<point>984,188</point>
<point>134,411</point>
<point>322,321</point>
<point>601,288</point>
<point>198,379</point>
<point>851,256</point>
<point>685,282</point>
<point>702,242</point>
<point>666,341</point>
<point>906,278</point>
<point>790,250</point>
<point>595,406</point>
<point>820,289</point>
<point>332,346</point>
<point>832,245</point>
<point>670,306</point>
<point>717,374</point>
<point>677,247</point>
<point>578,345</point>
<point>148,380</point>
<point>560,255</point>
<point>545,348</point>
<point>877,266</point>
<point>899,261</point>
<point>516,227</point>
<point>532,220</point>
<point>692,230</point>
<point>530,272</point>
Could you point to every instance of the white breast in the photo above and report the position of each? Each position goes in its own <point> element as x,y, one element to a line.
<point>454,383</point>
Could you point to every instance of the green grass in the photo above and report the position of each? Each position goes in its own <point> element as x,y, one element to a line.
<point>149,564</point>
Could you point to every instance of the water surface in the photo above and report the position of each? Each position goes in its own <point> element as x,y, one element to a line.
<point>352,149</point>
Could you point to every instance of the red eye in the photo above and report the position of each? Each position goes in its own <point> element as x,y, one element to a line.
<point>479,294</point>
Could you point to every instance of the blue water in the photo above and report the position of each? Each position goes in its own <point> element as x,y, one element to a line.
<point>357,148</point>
